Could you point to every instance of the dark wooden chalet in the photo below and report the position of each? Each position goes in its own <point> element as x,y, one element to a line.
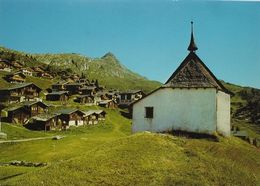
<point>91,117</point>
<point>71,117</point>
<point>17,77</point>
<point>59,86</point>
<point>88,90</point>
<point>83,80</point>
<point>75,77</point>
<point>73,88</point>
<point>19,93</point>
<point>126,98</point>
<point>85,99</point>
<point>5,65</point>
<point>46,122</point>
<point>44,75</point>
<point>17,64</point>
<point>38,69</point>
<point>26,71</point>
<point>101,114</point>
<point>58,96</point>
<point>108,104</point>
<point>21,113</point>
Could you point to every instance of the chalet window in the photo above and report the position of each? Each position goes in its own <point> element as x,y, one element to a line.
<point>148,112</point>
<point>129,96</point>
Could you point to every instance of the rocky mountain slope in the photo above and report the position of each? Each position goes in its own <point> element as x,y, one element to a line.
<point>107,69</point>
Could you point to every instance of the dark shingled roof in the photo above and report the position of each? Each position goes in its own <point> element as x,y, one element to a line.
<point>193,73</point>
<point>131,92</point>
<point>58,93</point>
<point>30,103</point>
<point>20,85</point>
<point>44,116</point>
<point>69,111</point>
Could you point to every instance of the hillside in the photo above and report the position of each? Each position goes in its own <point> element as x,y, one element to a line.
<point>108,154</point>
<point>107,69</point>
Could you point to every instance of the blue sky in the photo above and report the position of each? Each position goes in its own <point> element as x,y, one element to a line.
<point>148,37</point>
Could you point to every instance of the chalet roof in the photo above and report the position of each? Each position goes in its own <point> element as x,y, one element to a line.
<point>30,103</point>
<point>131,92</point>
<point>74,83</point>
<point>193,73</point>
<point>20,85</point>
<point>61,83</point>
<point>90,112</point>
<point>105,101</point>
<point>99,111</point>
<point>4,60</point>
<point>84,96</point>
<point>16,73</point>
<point>24,104</point>
<point>58,93</point>
<point>88,88</point>
<point>13,108</point>
<point>69,111</point>
<point>45,117</point>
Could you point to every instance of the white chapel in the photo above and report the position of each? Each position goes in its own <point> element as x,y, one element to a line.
<point>191,100</point>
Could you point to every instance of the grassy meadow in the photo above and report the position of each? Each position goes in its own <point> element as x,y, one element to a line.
<point>108,154</point>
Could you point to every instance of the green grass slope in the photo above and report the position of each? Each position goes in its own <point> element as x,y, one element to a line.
<point>19,132</point>
<point>153,159</point>
<point>108,154</point>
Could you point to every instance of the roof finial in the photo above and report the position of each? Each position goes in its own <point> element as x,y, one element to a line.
<point>192,47</point>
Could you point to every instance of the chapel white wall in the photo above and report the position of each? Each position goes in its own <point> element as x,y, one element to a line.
<point>192,109</point>
<point>223,113</point>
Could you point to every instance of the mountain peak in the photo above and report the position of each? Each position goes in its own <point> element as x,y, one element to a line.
<point>109,55</point>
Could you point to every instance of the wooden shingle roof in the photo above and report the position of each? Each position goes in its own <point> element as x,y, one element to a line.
<point>193,73</point>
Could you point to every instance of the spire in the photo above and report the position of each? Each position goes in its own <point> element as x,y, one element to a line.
<point>192,47</point>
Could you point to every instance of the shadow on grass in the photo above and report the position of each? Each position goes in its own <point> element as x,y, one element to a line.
<point>7,177</point>
<point>126,114</point>
<point>193,135</point>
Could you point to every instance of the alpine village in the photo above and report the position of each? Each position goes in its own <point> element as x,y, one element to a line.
<point>92,121</point>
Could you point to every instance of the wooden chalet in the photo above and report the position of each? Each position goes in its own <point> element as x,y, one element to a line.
<point>83,80</point>
<point>108,104</point>
<point>91,117</point>
<point>103,95</point>
<point>71,117</point>
<point>126,98</point>
<point>23,112</point>
<point>46,122</point>
<point>38,69</point>
<point>73,88</point>
<point>86,99</point>
<point>75,77</point>
<point>17,64</point>
<point>26,71</point>
<point>101,114</point>
<point>59,86</point>
<point>58,96</point>
<point>5,65</point>
<point>17,77</point>
<point>19,93</point>
<point>88,90</point>
<point>44,75</point>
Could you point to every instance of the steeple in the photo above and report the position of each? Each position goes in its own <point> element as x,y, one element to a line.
<point>192,47</point>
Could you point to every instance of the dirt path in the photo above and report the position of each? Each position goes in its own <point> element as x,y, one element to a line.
<point>28,139</point>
